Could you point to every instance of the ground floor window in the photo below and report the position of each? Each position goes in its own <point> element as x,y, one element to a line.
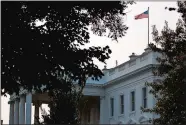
<point>121,104</point>
<point>112,106</point>
<point>144,91</point>
<point>132,101</point>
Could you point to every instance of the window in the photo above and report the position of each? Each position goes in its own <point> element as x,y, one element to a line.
<point>122,104</point>
<point>144,92</point>
<point>133,101</point>
<point>112,106</point>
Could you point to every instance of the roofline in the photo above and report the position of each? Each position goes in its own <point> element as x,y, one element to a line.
<point>92,85</point>
<point>145,68</point>
<point>138,56</point>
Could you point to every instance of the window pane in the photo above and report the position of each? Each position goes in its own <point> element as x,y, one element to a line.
<point>122,104</point>
<point>121,99</point>
<point>132,101</point>
<point>145,103</point>
<point>132,96</point>
<point>144,92</point>
<point>112,106</point>
<point>145,97</point>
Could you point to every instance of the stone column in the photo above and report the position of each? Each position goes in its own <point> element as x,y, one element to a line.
<point>36,115</point>
<point>96,115</point>
<point>102,111</point>
<point>22,110</point>
<point>92,116</point>
<point>11,113</point>
<point>28,108</point>
<point>16,111</point>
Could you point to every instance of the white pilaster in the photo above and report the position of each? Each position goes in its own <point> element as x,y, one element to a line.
<point>11,113</point>
<point>22,110</point>
<point>102,111</point>
<point>28,108</point>
<point>16,112</point>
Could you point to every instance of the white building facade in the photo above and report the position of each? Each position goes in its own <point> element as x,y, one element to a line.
<point>117,97</point>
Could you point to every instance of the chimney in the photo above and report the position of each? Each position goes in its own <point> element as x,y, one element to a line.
<point>148,49</point>
<point>133,56</point>
<point>105,69</point>
<point>116,63</point>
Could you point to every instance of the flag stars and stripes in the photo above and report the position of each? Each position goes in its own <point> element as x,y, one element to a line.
<point>142,15</point>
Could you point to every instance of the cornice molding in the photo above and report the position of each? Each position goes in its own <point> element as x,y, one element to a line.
<point>138,56</point>
<point>126,76</point>
<point>93,85</point>
<point>112,82</point>
<point>131,84</point>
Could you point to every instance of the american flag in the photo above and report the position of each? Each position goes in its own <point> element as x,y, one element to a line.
<point>143,15</point>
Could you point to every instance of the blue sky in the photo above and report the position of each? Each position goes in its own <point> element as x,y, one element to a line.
<point>135,40</point>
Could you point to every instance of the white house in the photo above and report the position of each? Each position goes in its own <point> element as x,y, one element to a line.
<point>117,98</point>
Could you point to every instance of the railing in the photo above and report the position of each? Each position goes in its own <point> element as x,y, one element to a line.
<point>111,72</point>
<point>145,57</point>
<point>128,65</point>
<point>121,68</point>
<point>132,63</point>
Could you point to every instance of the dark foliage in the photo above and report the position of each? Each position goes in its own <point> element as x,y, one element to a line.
<point>170,8</point>
<point>30,53</point>
<point>170,91</point>
<point>64,104</point>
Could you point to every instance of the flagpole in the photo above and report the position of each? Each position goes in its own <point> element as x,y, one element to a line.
<point>148,26</point>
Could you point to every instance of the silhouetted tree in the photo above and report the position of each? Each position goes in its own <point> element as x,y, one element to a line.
<point>170,91</point>
<point>64,103</point>
<point>32,52</point>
